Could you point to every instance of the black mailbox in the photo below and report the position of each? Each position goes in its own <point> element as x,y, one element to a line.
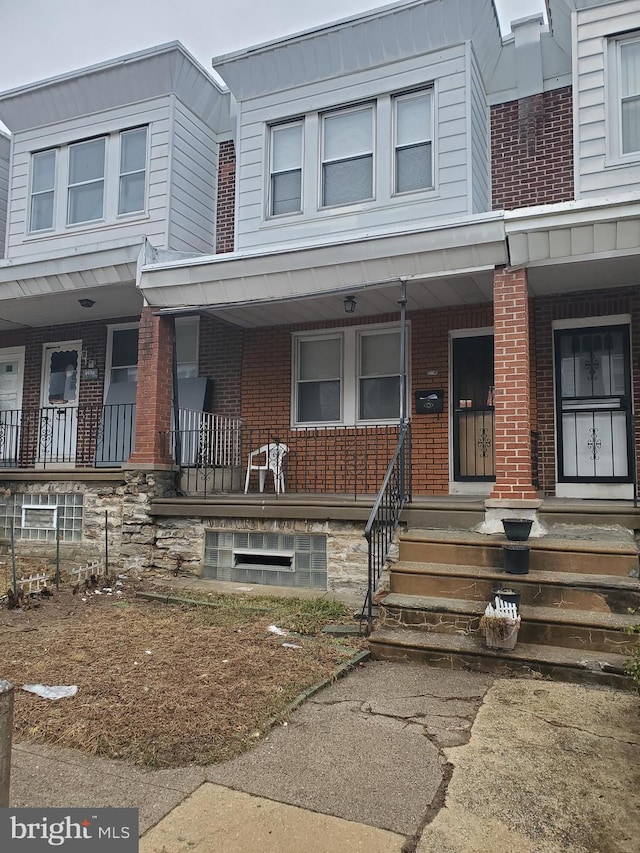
<point>429,402</point>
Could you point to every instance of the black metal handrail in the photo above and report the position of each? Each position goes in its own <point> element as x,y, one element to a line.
<point>385,515</point>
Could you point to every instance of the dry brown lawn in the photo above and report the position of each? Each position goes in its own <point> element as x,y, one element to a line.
<point>164,685</point>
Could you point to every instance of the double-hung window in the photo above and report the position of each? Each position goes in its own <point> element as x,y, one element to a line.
<point>629,95</point>
<point>347,156</point>
<point>133,170</point>
<point>86,181</point>
<point>43,176</point>
<point>285,169</point>
<point>347,377</point>
<point>412,142</point>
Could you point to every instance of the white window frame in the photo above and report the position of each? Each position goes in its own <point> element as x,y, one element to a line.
<point>103,180</point>
<point>350,337</point>
<point>145,170</point>
<point>368,105</point>
<point>111,185</point>
<point>272,130</point>
<point>613,90</point>
<point>395,100</point>
<point>118,327</point>
<point>33,194</point>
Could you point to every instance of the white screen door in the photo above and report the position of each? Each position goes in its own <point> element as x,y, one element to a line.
<point>59,409</point>
<point>11,376</point>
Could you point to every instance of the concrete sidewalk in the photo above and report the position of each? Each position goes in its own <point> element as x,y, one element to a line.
<point>389,759</point>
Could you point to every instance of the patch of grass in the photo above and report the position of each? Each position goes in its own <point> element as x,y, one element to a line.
<point>166,685</point>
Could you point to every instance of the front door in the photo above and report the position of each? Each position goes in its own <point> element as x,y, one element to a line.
<point>59,410</point>
<point>473,430</point>
<point>593,406</point>
<point>11,374</point>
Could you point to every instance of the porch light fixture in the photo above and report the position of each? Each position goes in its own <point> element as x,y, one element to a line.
<point>87,303</point>
<point>349,305</point>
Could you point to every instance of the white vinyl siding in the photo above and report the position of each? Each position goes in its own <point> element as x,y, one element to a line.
<point>43,176</point>
<point>480,135</point>
<point>194,183</point>
<point>448,74</point>
<point>412,139</point>
<point>285,168</point>
<point>347,156</point>
<point>346,377</point>
<point>602,165</point>
<point>5,147</point>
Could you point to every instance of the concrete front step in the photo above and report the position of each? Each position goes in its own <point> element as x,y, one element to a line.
<point>571,591</point>
<point>455,651</point>
<point>614,556</point>
<point>589,631</point>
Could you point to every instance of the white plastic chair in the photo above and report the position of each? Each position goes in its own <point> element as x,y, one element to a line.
<point>269,457</point>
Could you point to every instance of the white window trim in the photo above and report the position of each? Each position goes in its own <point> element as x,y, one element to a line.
<point>395,98</point>
<point>132,214</point>
<point>34,154</point>
<point>192,321</point>
<point>613,113</point>
<point>371,105</point>
<point>269,214</point>
<point>18,354</point>
<point>102,180</point>
<point>350,378</point>
<point>111,179</point>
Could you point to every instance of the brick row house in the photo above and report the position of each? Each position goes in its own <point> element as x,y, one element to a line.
<point>399,218</point>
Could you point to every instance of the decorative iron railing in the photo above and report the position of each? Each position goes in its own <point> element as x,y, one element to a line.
<point>383,521</point>
<point>84,436</point>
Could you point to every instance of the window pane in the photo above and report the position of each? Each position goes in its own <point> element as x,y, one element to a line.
<point>286,148</point>
<point>186,342</point>
<point>86,161</point>
<point>380,398</point>
<point>41,211</point>
<point>318,401</point>
<point>630,59</point>
<point>380,355</point>
<point>125,347</point>
<point>348,134</point>
<point>133,150</point>
<point>285,192</point>
<point>319,359</point>
<point>124,374</point>
<point>131,193</point>
<point>348,181</point>
<point>44,167</point>
<point>413,168</point>
<point>85,202</point>
<point>413,119</point>
<point>631,126</point>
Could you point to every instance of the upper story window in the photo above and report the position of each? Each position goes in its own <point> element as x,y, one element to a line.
<point>346,377</point>
<point>285,169</point>
<point>347,156</point>
<point>86,181</point>
<point>95,180</point>
<point>43,176</point>
<point>629,67</point>
<point>412,142</point>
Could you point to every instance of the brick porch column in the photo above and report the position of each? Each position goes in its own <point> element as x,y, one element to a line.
<point>154,394</point>
<point>513,486</point>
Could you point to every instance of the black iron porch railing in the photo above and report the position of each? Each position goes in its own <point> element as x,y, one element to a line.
<point>83,436</point>
<point>385,516</point>
<point>220,454</point>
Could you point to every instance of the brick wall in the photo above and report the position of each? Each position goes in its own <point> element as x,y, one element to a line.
<point>575,306</point>
<point>532,150</point>
<point>226,203</point>
<point>221,359</point>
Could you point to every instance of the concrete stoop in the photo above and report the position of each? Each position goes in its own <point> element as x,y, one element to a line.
<point>575,603</point>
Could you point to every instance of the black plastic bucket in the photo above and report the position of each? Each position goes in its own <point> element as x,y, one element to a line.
<point>516,559</point>
<point>506,593</point>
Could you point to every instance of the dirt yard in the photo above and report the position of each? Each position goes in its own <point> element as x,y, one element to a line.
<point>163,685</point>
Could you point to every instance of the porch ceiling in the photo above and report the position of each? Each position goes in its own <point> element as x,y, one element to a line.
<point>446,264</point>
<point>45,292</point>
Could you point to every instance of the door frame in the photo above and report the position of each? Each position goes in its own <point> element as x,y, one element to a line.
<point>583,488</point>
<point>463,487</point>
<point>17,354</point>
<point>42,459</point>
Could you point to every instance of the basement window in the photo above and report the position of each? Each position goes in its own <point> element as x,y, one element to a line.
<point>278,559</point>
